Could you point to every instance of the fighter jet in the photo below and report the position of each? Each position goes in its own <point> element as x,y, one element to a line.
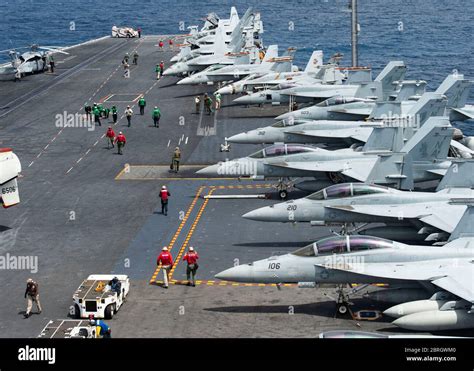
<point>10,169</point>
<point>383,159</point>
<point>223,54</point>
<point>409,216</point>
<point>455,87</point>
<point>344,133</point>
<point>219,72</point>
<point>315,92</point>
<point>279,75</point>
<point>443,273</point>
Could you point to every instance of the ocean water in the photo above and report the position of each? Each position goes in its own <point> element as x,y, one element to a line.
<point>433,37</point>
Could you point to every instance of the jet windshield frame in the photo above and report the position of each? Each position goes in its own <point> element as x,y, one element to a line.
<point>345,190</point>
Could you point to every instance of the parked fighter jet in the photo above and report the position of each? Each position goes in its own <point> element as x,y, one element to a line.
<point>219,72</point>
<point>455,87</point>
<point>278,76</point>
<point>32,61</point>
<point>383,160</point>
<point>10,168</point>
<point>344,132</point>
<point>443,273</point>
<point>316,92</point>
<point>410,216</point>
<point>242,35</point>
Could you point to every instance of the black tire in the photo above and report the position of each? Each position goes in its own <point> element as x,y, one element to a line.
<point>109,311</point>
<point>342,309</point>
<point>283,194</point>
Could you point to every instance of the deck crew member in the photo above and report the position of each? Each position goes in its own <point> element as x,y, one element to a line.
<point>32,295</point>
<point>139,30</point>
<point>191,258</point>
<point>156,114</point>
<point>128,114</point>
<point>51,63</point>
<point>161,44</point>
<point>96,112</point>
<point>114,113</point>
<point>88,111</point>
<point>158,71</point>
<point>164,196</point>
<point>120,140</point>
<point>142,104</point>
<point>135,58</point>
<point>166,261</point>
<point>197,102</point>
<point>208,103</point>
<point>218,98</point>
<point>170,42</point>
<point>101,328</point>
<point>110,134</point>
<point>176,159</point>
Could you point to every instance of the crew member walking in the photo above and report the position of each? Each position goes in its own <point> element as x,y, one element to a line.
<point>120,140</point>
<point>176,159</point>
<point>32,294</point>
<point>142,104</point>
<point>158,70</point>
<point>128,114</point>
<point>135,58</point>
<point>156,114</point>
<point>166,261</point>
<point>218,98</point>
<point>164,195</point>
<point>191,258</point>
<point>110,134</point>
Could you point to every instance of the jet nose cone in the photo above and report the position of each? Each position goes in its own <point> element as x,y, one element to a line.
<point>266,214</point>
<point>246,99</point>
<point>225,90</point>
<point>168,72</point>
<point>238,138</point>
<point>185,81</point>
<point>286,116</point>
<point>240,273</point>
<point>212,170</point>
<point>393,312</point>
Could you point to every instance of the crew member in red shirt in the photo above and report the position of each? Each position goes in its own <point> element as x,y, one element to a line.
<point>166,261</point>
<point>170,42</point>
<point>120,140</point>
<point>161,44</point>
<point>164,195</point>
<point>191,258</point>
<point>110,134</point>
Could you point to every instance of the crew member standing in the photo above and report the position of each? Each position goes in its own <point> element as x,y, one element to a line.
<point>88,110</point>
<point>135,58</point>
<point>166,261</point>
<point>158,70</point>
<point>164,195</point>
<point>110,134</point>
<point>32,294</point>
<point>114,113</point>
<point>161,44</point>
<point>162,68</point>
<point>139,30</point>
<point>96,112</point>
<point>197,102</point>
<point>128,114</point>
<point>120,140</point>
<point>218,98</point>
<point>156,114</point>
<point>51,63</point>
<point>170,42</point>
<point>191,258</point>
<point>176,159</point>
<point>142,104</point>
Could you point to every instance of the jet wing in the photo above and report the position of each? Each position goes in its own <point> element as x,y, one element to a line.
<point>356,133</point>
<point>435,214</point>
<point>453,275</point>
<point>468,114</point>
<point>358,169</point>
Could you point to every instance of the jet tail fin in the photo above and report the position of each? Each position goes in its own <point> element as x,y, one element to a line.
<point>359,75</point>
<point>393,71</point>
<point>464,226</point>
<point>384,138</point>
<point>431,141</point>
<point>457,89</point>
<point>410,88</point>
<point>272,52</point>
<point>429,105</point>
<point>459,175</point>
<point>314,62</point>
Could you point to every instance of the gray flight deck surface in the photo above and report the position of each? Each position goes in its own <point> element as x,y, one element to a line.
<point>84,211</point>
